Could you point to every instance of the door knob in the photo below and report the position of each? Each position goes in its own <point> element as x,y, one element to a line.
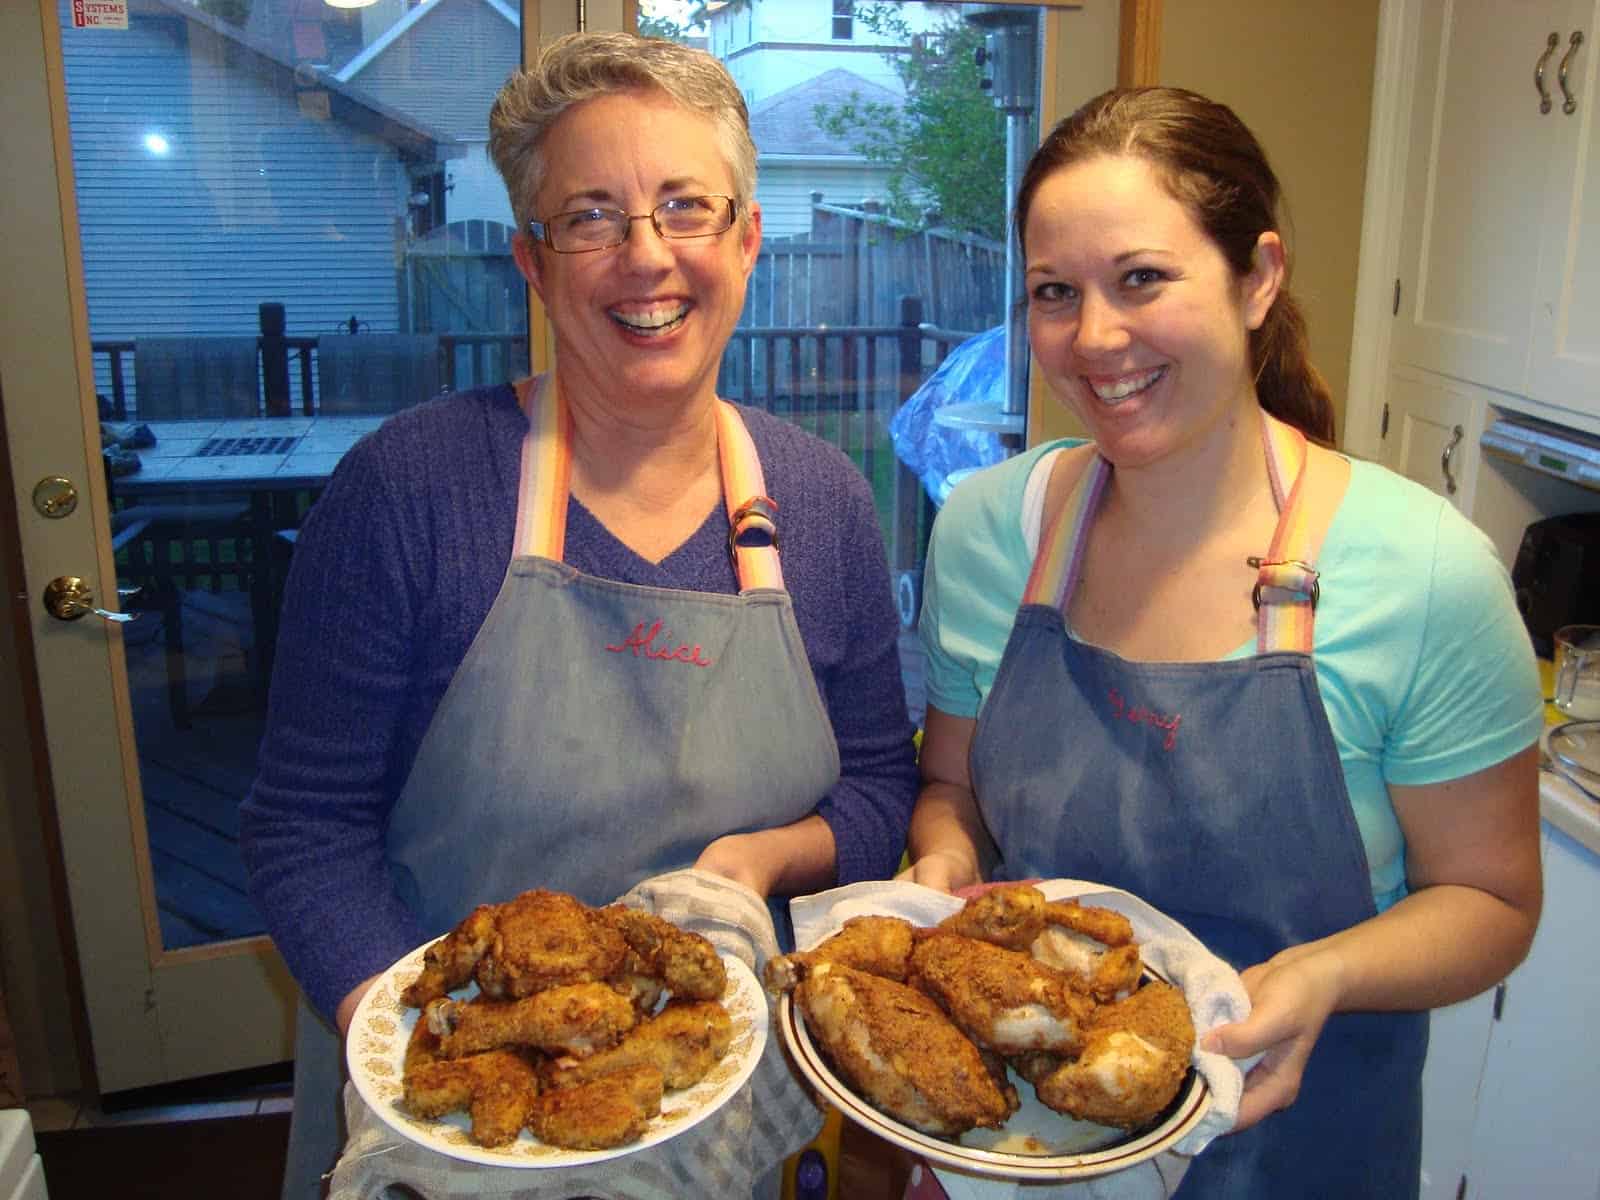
<point>66,598</point>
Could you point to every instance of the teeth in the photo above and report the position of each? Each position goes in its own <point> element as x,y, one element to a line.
<point>1112,393</point>
<point>651,319</point>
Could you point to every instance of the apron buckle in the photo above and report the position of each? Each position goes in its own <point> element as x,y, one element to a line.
<point>754,525</point>
<point>1289,575</point>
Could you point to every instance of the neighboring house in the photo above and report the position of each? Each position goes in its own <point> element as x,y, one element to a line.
<point>447,59</point>
<point>214,174</point>
<point>790,56</point>
<point>798,158</point>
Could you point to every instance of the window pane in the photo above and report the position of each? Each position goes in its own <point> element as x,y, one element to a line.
<point>290,227</point>
<point>885,182</point>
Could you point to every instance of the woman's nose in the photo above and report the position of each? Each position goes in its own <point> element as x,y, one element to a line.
<point>1100,326</point>
<point>644,247</point>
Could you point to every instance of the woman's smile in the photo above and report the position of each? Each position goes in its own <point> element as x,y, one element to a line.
<point>1114,390</point>
<point>651,320</point>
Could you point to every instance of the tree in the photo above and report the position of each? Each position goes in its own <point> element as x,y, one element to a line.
<point>946,147</point>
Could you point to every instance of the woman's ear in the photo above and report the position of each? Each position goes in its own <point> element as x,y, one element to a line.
<point>525,253</point>
<point>1264,280</point>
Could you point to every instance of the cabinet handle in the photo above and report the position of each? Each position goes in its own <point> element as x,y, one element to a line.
<point>1444,460</point>
<point>1538,71</point>
<point>1571,106</point>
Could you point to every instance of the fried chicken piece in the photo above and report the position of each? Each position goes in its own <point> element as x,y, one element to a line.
<point>686,963</point>
<point>498,1089</point>
<point>612,1110</point>
<point>683,1041</point>
<point>900,1051</point>
<point>577,1020</point>
<point>538,940</point>
<point>1106,975</point>
<point>1133,1062</point>
<point>1010,915</point>
<point>877,945</point>
<point>448,963</point>
<point>1001,999</point>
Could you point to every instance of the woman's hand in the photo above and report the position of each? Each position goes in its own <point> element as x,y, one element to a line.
<point>1291,996</point>
<point>943,870</point>
<point>791,860</point>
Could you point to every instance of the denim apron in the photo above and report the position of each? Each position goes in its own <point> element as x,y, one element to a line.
<point>596,733</point>
<point>1214,791</point>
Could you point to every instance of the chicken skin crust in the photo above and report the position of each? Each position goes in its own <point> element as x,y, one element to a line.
<point>538,940</point>
<point>611,1110</point>
<point>1133,1062</point>
<point>686,963</point>
<point>1002,999</point>
<point>497,1089</point>
<point>900,1051</point>
<point>682,1041</point>
<point>877,945</point>
<point>577,1020</point>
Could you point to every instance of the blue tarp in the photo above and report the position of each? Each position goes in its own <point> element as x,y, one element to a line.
<point>973,373</point>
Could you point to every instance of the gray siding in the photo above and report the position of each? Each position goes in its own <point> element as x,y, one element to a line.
<point>447,66</point>
<point>257,200</point>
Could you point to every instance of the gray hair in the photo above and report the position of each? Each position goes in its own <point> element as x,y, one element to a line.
<point>582,66</point>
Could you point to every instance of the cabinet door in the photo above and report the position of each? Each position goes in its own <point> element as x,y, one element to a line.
<point>1458,1040</point>
<point>1479,152</point>
<point>1431,430</point>
<point>1535,1132</point>
<point>1564,369</point>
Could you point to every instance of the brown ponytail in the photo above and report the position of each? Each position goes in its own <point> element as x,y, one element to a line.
<point>1213,165</point>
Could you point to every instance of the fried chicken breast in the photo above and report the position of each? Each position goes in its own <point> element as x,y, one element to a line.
<point>900,1051</point>
<point>1002,999</point>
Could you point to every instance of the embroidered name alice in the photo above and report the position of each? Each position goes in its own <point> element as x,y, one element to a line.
<point>1140,714</point>
<point>640,642</point>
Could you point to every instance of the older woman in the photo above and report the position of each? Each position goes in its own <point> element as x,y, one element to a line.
<point>544,634</point>
<point>1282,695</point>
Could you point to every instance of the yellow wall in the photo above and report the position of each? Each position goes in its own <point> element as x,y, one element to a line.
<point>1300,75</point>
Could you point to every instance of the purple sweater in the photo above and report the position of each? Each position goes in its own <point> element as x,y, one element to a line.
<point>396,568</point>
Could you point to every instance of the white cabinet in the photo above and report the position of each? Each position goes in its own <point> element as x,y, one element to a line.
<point>1499,268</point>
<point>1431,429</point>
<point>1510,1099</point>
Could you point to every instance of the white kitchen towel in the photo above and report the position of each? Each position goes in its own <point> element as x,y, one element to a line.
<point>1213,989</point>
<point>773,1116</point>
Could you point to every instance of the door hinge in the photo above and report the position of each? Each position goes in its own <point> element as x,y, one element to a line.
<point>1499,1000</point>
<point>1461,1188</point>
<point>1395,311</point>
<point>1383,429</point>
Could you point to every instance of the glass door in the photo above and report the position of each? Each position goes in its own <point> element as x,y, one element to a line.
<point>252,228</point>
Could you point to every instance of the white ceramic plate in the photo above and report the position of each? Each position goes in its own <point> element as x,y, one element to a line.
<point>1036,1143</point>
<point>376,1050</point>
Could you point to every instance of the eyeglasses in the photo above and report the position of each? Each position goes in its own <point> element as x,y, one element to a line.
<point>585,229</point>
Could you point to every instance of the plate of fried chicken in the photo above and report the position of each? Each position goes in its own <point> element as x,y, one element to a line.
<point>542,1032</point>
<point>1019,1037</point>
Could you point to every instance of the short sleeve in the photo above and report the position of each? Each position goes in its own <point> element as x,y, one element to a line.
<point>1474,698</point>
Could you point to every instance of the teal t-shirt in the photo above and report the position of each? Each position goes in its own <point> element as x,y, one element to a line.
<point>1424,665</point>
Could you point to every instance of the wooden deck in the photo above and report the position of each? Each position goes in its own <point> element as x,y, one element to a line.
<point>195,779</point>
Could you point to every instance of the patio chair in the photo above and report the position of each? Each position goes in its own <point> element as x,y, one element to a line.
<point>376,372</point>
<point>184,378</point>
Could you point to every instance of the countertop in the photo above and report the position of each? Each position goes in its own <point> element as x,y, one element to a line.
<point>1562,803</point>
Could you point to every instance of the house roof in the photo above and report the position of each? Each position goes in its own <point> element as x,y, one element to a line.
<point>787,120</point>
<point>345,103</point>
<point>405,24</point>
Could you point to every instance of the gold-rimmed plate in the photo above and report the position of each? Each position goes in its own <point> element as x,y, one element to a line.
<point>376,1047</point>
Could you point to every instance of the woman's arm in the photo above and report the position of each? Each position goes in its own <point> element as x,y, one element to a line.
<point>948,845</point>
<point>1473,866</point>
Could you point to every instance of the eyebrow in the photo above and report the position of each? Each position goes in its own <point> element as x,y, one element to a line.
<point>597,197</point>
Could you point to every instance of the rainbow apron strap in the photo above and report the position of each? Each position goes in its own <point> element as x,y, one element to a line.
<point>1286,589</point>
<point>546,474</point>
<point>752,514</point>
<point>1059,560</point>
